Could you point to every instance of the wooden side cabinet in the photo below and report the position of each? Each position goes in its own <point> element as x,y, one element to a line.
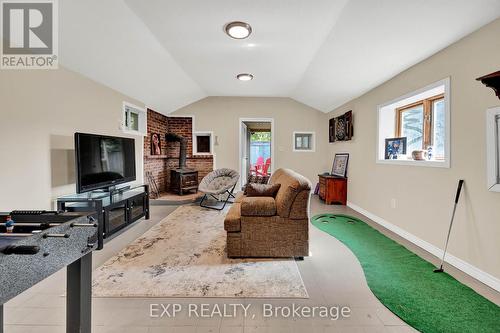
<point>333,189</point>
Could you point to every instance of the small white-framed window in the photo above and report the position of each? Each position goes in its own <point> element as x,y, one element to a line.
<point>493,148</point>
<point>203,143</point>
<point>304,141</point>
<point>414,129</point>
<point>134,119</point>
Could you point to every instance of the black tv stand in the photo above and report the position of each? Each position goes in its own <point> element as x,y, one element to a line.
<point>113,210</point>
<point>111,190</point>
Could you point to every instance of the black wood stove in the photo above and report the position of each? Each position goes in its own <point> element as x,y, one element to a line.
<point>182,179</point>
<point>40,244</point>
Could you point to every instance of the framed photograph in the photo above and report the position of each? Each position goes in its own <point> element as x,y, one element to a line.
<point>340,162</point>
<point>395,147</point>
<point>155,144</point>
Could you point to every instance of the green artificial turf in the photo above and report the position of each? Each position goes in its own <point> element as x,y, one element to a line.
<point>407,285</point>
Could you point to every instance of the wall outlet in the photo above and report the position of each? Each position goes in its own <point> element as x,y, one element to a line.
<point>393,203</point>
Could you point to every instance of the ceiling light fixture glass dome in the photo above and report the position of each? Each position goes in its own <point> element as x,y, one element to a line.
<point>238,30</point>
<point>244,77</point>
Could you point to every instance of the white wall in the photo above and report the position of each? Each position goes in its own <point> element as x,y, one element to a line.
<point>424,196</point>
<point>40,110</point>
<point>221,115</point>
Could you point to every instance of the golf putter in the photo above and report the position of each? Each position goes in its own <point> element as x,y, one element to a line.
<point>459,189</point>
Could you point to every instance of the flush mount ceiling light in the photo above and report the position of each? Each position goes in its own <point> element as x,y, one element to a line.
<point>244,77</point>
<point>238,30</point>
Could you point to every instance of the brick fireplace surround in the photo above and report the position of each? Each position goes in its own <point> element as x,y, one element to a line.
<point>160,165</point>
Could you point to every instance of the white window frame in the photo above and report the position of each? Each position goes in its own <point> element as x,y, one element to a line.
<point>142,118</point>
<point>380,142</point>
<point>313,142</point>
<point>203,133</point>
<point>492,150</point>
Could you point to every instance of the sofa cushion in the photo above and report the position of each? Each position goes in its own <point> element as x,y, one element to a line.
<point>291,184</point>
<point>232,221</point>
<point>252,178</point>
<point>256,179</point>
<point>262,190</point>
<point>258,206</point>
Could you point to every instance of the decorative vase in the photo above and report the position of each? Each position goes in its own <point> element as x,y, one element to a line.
<point>419,155</point>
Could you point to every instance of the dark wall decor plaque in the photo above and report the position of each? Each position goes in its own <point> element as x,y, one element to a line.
<point>341,128</point>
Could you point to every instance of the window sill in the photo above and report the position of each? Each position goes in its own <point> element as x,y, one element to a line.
<point>494,188</point>
<point>133,132</point>
<point>426,163</point>
<point>303,150</point>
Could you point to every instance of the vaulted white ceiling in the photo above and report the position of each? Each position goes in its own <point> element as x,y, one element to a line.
<point>286,36</point>
<point>169,53</point>
<point>106,41</point>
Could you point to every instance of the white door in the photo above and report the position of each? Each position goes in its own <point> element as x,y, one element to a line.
<point>244,154</point>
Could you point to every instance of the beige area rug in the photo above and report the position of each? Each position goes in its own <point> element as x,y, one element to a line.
<point>184,256</point>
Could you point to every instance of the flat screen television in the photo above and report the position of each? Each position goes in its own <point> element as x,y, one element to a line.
<point>103,161</point>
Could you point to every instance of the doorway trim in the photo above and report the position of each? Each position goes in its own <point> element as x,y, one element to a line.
<point>240,155</point>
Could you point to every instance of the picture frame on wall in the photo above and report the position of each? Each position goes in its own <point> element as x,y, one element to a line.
<point>340,163</point>
<point>155,144</point>
<point>395,147</point>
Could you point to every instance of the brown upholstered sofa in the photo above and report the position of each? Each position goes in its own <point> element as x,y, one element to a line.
<point>271,227</point>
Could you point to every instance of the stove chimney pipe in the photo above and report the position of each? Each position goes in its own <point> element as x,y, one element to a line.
<point>172,137</point>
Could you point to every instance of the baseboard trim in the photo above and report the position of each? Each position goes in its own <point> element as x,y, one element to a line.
<point>460,264</point>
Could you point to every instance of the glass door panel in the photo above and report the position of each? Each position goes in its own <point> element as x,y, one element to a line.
<point>116,218</point>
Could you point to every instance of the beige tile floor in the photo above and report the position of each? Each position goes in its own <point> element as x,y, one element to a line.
<point>332,275</point>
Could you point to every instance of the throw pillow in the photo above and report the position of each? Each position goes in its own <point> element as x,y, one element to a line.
<point>262,190</point>
<point>255,179</point>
